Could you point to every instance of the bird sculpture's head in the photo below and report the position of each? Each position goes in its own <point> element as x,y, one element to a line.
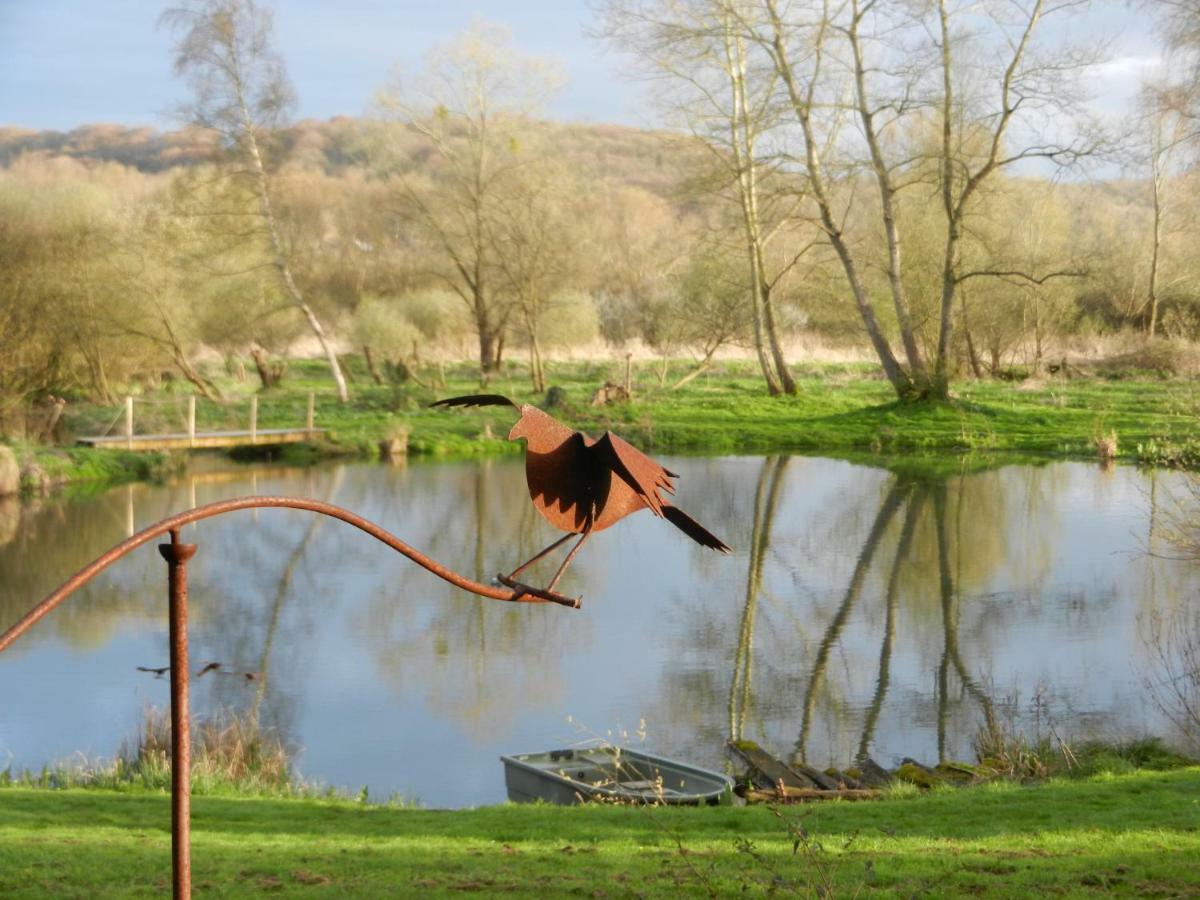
<point>521,428</point>
<point>540,431</point>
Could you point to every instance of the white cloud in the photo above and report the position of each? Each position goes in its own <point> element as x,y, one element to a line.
<point>1127,68</point>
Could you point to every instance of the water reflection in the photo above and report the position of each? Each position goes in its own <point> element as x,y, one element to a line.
<point>865,610</point>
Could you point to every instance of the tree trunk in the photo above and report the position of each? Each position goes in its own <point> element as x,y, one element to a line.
<point>269,374</point>
<point>537,374</point>
<point>972,356</point>
<point>887,196</point>
<point>280,260</point>
<point>202,384</point>
<point>1152,322</point>
<point>742,144</point>
<point>802,107</point>
<point>786,381</point>
<point>376,376</point>
<point>697,370</point>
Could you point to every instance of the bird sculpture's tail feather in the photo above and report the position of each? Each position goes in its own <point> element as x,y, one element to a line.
<point>693,529</point>
<point>475,400</point>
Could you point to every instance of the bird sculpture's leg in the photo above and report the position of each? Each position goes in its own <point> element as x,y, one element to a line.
<point>570,556</point>
<point>529,562</point>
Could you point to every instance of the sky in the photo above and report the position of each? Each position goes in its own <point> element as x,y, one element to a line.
<point>65,63</point>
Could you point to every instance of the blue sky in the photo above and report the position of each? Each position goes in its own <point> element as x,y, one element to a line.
<point>64,63</point>
<point>67,62</point>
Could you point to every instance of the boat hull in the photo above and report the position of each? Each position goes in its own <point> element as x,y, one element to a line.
<point>610,774</point>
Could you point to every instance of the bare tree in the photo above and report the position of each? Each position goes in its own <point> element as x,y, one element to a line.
<point>538,242</point>
<point>470,107</point>
<point>999,87</point>
<point>798,43</point>
<point>724,95</point>
<point>1167,132</point>
<point>999,99</point>
<point>240,90</point>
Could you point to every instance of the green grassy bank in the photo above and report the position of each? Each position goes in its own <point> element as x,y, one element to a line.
<point>840,409</point>
<point>1136,834</point>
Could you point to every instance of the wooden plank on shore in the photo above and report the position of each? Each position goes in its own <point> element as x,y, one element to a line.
<point>804,795</point>
<point>766,771</point>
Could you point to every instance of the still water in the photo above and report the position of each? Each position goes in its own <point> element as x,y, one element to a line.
<point>862,609</point>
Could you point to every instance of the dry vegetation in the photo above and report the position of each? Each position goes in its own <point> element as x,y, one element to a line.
<point>456,223</point>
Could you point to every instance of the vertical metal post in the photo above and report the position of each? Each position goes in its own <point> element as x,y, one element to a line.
<point>254,419</point>
<point>310,417</point>
<point>177,556</point>
<point>192,420</point>
<point>129,423</point>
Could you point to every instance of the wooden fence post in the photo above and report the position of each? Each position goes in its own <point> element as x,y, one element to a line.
<point>310,417</point>
<point>192,420</point>
<point>254,419</point>
<point>129,423</point>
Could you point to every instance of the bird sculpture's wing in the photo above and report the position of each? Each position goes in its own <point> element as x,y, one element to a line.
<point>476,400</point>
<point>636,469</point>
<point>693,529</point>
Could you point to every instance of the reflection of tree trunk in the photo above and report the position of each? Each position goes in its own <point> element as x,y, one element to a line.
<point>911,515</point>
<point>760,541</point>
<point>949,598</point>
<point>281,593</point>
<point>480,520</point>
<point>887,510</point>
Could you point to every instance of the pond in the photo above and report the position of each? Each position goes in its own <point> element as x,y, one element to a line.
<point>863,608</point>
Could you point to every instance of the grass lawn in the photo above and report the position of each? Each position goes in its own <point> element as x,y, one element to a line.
<point>840,410</point>
<point>1135,834</point>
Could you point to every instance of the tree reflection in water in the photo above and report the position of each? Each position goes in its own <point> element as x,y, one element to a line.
<point>865,610</point>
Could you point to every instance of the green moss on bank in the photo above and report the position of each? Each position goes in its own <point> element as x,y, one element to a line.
<point>85,468</point>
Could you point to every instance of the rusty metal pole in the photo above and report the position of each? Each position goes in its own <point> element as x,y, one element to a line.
<point>177,556</point>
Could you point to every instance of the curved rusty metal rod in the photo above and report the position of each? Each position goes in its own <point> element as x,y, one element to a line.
<point>522,594</point>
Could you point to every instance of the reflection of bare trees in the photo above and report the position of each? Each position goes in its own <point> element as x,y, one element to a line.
<point>897,494</point>
<point>877,596</point>
<point>883,680</point>
<point>760,541</point>
<point>471,661</point>
<point>951,655</point>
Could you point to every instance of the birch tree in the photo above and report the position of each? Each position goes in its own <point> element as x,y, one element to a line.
<point>718,87</point>
<point>240,90</point>
<point>798,41</point>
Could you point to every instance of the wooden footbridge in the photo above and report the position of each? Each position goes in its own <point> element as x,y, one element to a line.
<point>191,439</point>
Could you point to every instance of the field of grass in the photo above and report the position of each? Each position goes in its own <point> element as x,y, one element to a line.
<point>840,410</point>
<point>1136,834</point>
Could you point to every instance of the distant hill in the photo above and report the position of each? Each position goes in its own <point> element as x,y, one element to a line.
<point>648,159</point>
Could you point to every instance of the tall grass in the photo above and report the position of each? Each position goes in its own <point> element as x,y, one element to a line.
<point>231,752</point>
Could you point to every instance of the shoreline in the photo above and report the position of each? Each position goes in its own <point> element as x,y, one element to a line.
<point>839,411</point>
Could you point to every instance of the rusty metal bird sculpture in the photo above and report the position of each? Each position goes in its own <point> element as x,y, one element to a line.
<point>582,485</point>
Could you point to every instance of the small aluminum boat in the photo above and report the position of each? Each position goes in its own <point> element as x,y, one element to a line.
<point>611,774</point>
